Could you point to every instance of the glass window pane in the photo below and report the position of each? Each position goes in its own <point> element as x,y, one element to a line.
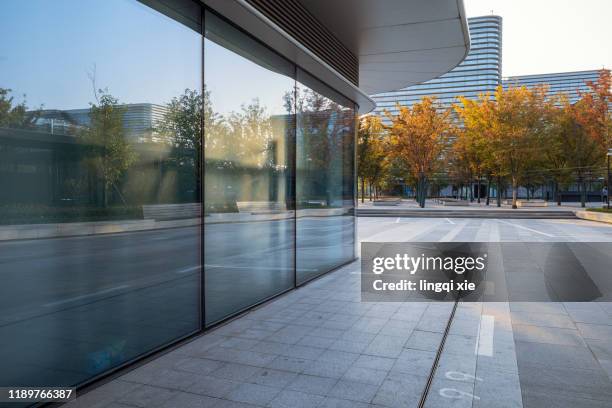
<point>99,188</point>
<point>249,155</point>
<point>324,178</point>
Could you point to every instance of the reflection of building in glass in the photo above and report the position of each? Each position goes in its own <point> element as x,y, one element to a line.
<point>139,120</point>
<point>480,72</point>
<point>568,83</point>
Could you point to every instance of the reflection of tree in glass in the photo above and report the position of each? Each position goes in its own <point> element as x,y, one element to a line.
<point>108,154</point>
<point>325,130</point>
<point>181,127</point>
<point>15,115</point>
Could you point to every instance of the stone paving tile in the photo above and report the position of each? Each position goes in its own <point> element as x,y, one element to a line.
<point>330,402</point>
<point>211,386</point>
<point>400,391</point>
<point>542,319</point>
<point>547,399</point>
<point>197,365</point>
<point>291,364</point>
<point>335,356</point>
<point>422,340</point>
<point>354,391</point>
<point>253,394</point>
<point>446,393</point>
<point>595,331</point>
<point>386,346</point>
<point>296,399</point>
<point>374,362</point>
<point>188,400</point>
<point>235,372</point>
<point>273,378</point>
<point>332,369</point>
<point>365,375</point>
<point>548,335</point>
<point>316,341</point>
<point>553,355</point>
<point>147,396</point>
<point>591,384</point>
<point>497,389</point>
<point>312,384</point>
<point>348,346</point>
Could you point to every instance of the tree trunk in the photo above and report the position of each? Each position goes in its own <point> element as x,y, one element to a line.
<point>557,193</point>
<point>478,189</point>
<point>370,190</point>
<point>499,191</point>
<point>422,190</point>
<point>488,189</point>
<point>362,190</point>
<point>514,192</point>
<point>582,193</point>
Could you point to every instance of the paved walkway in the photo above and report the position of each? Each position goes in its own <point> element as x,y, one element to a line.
<point>319,346</point>
<point>431,205</point>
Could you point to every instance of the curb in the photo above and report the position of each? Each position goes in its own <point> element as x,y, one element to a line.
<point>594,216</point>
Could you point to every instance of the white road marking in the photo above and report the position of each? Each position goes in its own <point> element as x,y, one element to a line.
<point>484,345</point>
<point>452,234</point>
<point>527,229</point>
<point>73,299</point>
<point>449,221</point>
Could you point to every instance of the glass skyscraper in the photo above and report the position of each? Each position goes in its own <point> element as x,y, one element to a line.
<point>571,84</point>
<point>480,72</point>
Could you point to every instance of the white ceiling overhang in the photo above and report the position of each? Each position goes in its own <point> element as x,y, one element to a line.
<point>398,42</point>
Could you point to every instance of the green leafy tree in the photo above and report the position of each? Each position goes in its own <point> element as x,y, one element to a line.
<point>15,115</point>
<point>108,153</point>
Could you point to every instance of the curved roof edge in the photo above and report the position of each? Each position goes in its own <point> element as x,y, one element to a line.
<point>429,39</point>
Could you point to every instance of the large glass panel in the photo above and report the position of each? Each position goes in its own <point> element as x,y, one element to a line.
<point>324,178</point>
<point>100,107</point>
<point>249,150</point>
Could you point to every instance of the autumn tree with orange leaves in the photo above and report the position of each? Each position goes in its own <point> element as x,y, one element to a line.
<point>419,135</point>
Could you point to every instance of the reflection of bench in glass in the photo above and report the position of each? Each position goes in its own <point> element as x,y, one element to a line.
<point>261,207</point>
<point>453,201</point>
<point>531,203</point>
<point>316,203</point>
<point>388,201</point>
<point>171,211</point>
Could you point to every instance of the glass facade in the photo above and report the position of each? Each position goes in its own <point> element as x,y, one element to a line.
<point>480,72</point>
<point>155,179</point>
<point>568,83</point>
<point>325,178</point>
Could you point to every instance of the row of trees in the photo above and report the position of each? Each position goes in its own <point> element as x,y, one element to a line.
<point>514,137</point>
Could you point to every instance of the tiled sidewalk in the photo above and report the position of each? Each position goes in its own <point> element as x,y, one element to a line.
<point>318,346</point>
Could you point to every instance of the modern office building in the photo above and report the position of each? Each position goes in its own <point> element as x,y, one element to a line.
<point>112,249</point>
<point>568,83</point>
<point>480,72</point>
<point>140,121</point>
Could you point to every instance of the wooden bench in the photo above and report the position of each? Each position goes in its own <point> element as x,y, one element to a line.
<point>171,211</point>
<point>261,207</point>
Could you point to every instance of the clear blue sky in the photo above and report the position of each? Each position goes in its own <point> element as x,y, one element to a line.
<point>48,48</point>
